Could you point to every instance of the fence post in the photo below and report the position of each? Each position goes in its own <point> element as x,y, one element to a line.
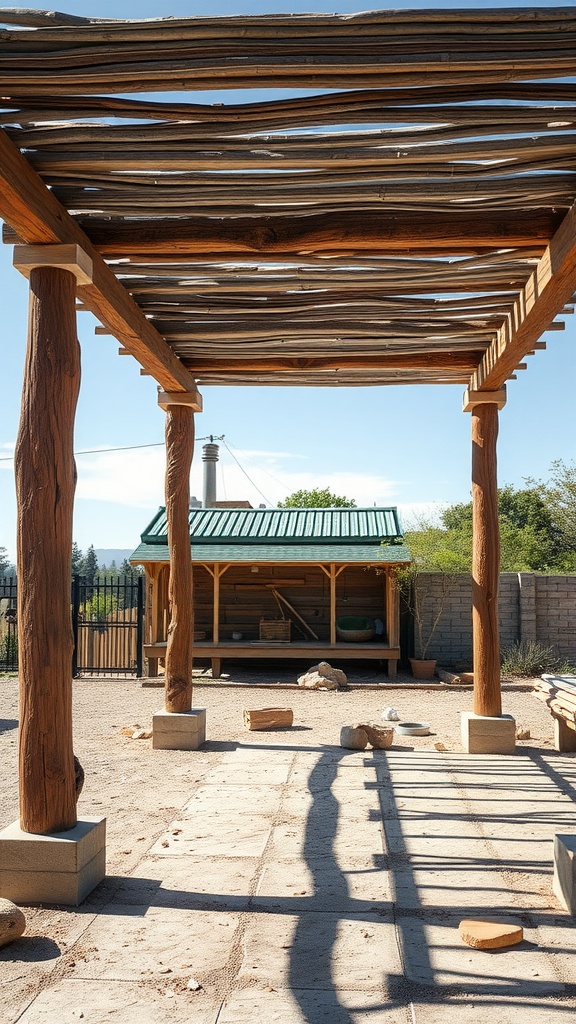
<point>75,616</point>
<point>140,628</point>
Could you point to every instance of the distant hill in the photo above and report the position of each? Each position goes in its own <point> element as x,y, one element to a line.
<point>106,556</point>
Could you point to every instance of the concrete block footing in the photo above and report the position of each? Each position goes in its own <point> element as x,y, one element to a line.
<point>58,868</point>
<point>564,883</point>
<point>179,731</point>
<point>486,735</point>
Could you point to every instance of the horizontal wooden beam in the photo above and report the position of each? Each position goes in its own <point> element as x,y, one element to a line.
<point>464,361</point>
<point>334,232</point>
<point>549,287</point>
<point>39,219</point>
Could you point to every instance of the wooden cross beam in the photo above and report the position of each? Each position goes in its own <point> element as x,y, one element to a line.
<point>35,214</point>
<point>548,288</point>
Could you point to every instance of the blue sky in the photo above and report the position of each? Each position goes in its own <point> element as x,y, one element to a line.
<point>404,446</point>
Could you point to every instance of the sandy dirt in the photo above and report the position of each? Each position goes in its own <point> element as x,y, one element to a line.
<point>141,790</point>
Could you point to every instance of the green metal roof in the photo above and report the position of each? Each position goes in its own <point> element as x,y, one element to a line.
<point>282,535</point>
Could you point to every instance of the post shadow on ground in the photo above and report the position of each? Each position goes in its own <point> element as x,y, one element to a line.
<point>320,857</point>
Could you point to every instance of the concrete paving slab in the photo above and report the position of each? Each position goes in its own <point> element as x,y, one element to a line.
<point>320,951</point>
<point>324,836</point>
<point>434,955</point>
<point>302,1006</point>
<point>231,800</point>
<point>68,1001</point>
<point>193,882</point>
<point>294,884</point>
<point>242,836</point>
<point>254,773</point>
<point>157,943</point>
<point>466,890</point>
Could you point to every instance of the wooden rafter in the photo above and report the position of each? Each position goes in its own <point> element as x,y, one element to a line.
<point>393,230</point>
<point>38,218</point>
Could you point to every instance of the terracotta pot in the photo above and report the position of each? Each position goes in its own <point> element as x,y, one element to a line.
<point>422,668</point>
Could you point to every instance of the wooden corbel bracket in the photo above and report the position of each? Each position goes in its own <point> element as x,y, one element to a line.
<point>69,257</point>
<point>193,399</point>
<point>472,398</point>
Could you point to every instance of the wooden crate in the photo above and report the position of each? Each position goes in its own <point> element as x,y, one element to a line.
<point>275,629</point>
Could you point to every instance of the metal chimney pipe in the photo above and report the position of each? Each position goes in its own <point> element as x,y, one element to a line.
<point>209,458</point>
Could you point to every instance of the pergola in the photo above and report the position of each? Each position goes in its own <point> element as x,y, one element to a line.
<point>409,219</point>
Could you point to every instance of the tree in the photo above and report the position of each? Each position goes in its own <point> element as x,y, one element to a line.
<point>559,495</point>
<point>89,565</point>
<point>77,559</point>
<point>4,563</point>
<point>530,538</point>
<point>316,498</point>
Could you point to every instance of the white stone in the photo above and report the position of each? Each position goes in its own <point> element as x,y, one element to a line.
<point>390,715</point>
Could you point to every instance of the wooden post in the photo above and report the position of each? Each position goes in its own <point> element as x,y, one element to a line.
<point>485,558</point>
<point>332,605</point>
<point>179,449</point>
<point>45,483</point>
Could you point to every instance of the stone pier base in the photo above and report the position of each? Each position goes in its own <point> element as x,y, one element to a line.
<point>564,883</point>
<point>59,868</point>
<point>486,735</point>
<point>185,731</point>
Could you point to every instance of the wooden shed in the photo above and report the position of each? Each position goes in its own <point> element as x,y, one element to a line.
<point>278,583</point>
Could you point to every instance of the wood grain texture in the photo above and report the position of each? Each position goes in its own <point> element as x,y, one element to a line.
<point>485,562</point>
<point>179,449</point>
<point>45,483</point>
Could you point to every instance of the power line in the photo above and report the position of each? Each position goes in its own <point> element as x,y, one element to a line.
<point>124,448</point>
<point>267,500</point>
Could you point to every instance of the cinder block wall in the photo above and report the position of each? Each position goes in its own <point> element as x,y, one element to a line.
<point>531,607</point>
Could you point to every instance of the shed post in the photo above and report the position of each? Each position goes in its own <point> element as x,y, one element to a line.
<point>486,729</point>
<point>187,730</point>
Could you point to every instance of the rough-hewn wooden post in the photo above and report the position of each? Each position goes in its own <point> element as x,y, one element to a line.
<point>485,555</point>
<point>179,449</point>
<point>45,483</point>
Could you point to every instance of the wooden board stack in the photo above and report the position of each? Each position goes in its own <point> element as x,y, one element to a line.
<point>559,693</point>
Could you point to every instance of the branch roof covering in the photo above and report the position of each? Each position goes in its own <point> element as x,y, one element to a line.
<point>372,206</point>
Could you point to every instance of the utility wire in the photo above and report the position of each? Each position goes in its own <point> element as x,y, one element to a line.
<point>124,448</point>
<point>267,500</point>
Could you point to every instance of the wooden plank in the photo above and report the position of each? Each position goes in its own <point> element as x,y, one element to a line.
<point>267,718</point>
<point>549,287</point>
<point>38,218</point>
<point>384,233</point>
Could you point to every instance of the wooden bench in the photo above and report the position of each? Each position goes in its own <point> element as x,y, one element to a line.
<point>559,694</point>
<point>312,651</point>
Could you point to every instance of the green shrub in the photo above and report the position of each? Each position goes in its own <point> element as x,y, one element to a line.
<point>528,658</point>
<point>9,649</point>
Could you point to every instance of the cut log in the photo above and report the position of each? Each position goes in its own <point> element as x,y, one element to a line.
<point>379,736</point>
<point>268,718</point>
<point>490,934</point>
<point>455,678</point>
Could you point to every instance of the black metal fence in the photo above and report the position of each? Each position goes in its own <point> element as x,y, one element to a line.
<point>107,623</point>
<point>8,625</point>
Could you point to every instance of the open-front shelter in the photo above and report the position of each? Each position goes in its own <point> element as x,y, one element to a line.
<point>410,219</point>
<point>273,583</point>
